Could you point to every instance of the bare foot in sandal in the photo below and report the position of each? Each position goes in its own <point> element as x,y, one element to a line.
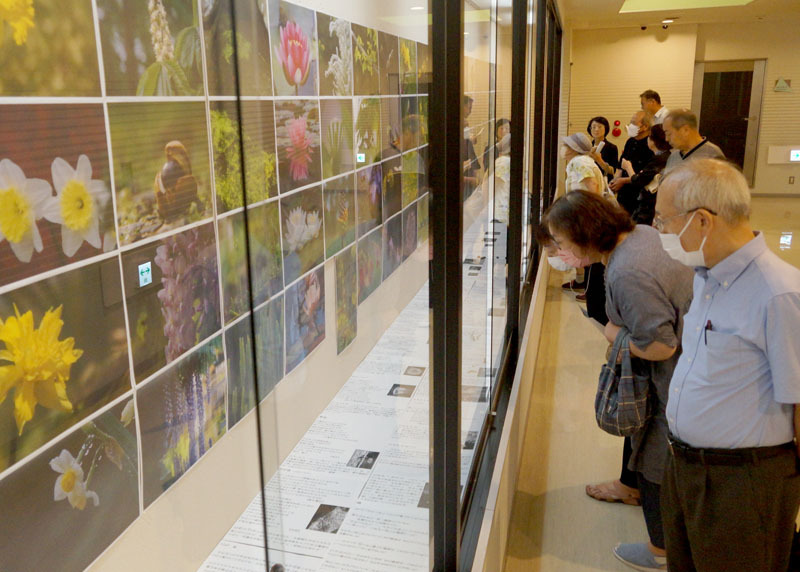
<point>614,491</point>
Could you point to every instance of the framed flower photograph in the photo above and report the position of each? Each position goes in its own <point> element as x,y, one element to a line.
<point>241,367</point>
<point>44,44</point>
<point>252,47</point>
<point>367,130</point>
<point>233,263</point>
<point>335,56</point>
<point>269,345</point>
<point>293,34</point>
<point>392,187</point>
<point>411,176</point>
<point>346,298</point>
<point>369,187</point>
<point>411,123</point>
<point>85,487</point>
<point>392,245</point>
<point>266,256</point>
<point>161,166</point>
<point>409,231</point>
<point>366,75</point>
<point>337,137</point>
<point>298,139</point>
<point>305,317</point>
<point>303,235</point>
<point>151,48</point>
<point>424,68</point>
<point>65,355</point>
<point>391,127</point>
<point>55,188</point>
<point>388,64</point>
<point>178,306</point>
<point>339,198</point>
<point>370,263</point>
<point>260,160</point>
<point>422,219</point>
<point>408,66</point>
<point>181,416</point>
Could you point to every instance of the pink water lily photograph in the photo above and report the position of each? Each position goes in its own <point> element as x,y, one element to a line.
<point>298,136</point>
<point>293,33</point>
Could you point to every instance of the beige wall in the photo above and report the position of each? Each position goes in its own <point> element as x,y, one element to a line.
<point>610,67</point>
<point>780,117</point>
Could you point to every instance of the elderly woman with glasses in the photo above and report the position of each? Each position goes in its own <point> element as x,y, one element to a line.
<point>647,293</point>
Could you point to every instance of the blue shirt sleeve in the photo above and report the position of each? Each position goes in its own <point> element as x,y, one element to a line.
<point>783,347</point>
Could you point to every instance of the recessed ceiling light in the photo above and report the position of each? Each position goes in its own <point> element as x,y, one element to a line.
<point>417,7</point>
<point>667,21</point>
<point>658,5</point>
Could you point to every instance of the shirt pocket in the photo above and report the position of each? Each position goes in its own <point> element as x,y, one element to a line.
<point>723,356</point>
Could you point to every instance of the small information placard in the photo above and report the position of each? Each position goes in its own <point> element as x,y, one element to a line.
<point>145,274</point>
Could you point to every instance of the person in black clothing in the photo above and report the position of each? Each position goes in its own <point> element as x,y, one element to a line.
<point>639,154</point>
<point>471,165</point>
<point>645,180</point>
<point>607,156</point>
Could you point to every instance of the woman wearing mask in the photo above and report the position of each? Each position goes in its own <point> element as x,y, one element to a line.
<point>646,180</point>
<point>647,293</point>
<point>604,153</point>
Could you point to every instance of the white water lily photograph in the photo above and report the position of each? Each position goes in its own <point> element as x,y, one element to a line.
<point>303,237</point>
<point>55,192</point>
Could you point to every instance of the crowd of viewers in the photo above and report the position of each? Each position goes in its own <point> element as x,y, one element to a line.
<point>663,236</point>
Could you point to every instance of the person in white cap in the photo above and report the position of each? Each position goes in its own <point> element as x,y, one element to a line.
<point>582,172</point>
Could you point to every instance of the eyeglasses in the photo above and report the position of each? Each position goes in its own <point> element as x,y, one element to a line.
<point>659,222</point>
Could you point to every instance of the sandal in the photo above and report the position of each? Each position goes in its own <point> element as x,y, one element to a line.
<point>614,491</point>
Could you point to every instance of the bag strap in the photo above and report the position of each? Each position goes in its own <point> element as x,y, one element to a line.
<point>620,344</point>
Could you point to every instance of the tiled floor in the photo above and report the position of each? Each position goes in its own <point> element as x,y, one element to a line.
<point>555,527</point>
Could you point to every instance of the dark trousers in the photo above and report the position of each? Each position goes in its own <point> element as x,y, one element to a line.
<point>720,518</point>
<point>626,476</point>
<point>651,506</point>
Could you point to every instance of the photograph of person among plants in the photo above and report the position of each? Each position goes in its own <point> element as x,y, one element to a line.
<point>55,195</point>
<point>252,47</point>
<point>180,307</point>
<point>258,130</point>
<point>43,44</point>
<point>85,487</point>
<point>339,197</point>
<point>369,183</point>
<point>346,298</point>
<point>293,33</point>
<point>370,260</point>
<point>337,137</point>
<point>151,48</point>
<point>305,317</point>
<point>303,237</point>
<point>298,138</point>
<point>161,169</point>
<point>181,416</point>
<point>366,75</point>
<point>63,355</point>
<point>335,56</point>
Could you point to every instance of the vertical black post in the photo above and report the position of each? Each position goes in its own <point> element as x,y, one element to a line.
<point>247,248</point>
<point>445,283</point>
<point>519,23</point>
<point>553,88</point>
<point>537,136</point>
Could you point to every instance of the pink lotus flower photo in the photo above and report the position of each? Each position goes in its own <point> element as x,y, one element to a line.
<point>299,149</point>
<point>294,54</point>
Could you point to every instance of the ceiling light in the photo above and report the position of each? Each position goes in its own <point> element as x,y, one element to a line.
<point>417,7</point>
<point>658,5</point>
<point>667,21</point>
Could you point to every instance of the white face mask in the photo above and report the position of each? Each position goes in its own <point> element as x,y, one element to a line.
<point>558,264</point>
<point>672,244</point>
<point>633,130</point>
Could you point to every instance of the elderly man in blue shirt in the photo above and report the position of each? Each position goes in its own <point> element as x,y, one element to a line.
<point>731,489</point>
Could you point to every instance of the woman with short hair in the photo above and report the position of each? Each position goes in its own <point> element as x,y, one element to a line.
<point>647,293</point>
<point>604,152</point>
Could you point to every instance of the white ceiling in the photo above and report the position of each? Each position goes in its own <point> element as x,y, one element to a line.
<point>581,14</point>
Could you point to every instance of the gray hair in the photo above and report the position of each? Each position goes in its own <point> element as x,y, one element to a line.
<point>646,119</point>
<point>712,184</point>
<point>680,117</point>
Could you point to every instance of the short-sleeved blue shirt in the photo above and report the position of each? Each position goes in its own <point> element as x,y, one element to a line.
<point>739,373</point>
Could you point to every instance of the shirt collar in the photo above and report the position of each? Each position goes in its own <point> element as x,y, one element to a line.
<point>728,270</point>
